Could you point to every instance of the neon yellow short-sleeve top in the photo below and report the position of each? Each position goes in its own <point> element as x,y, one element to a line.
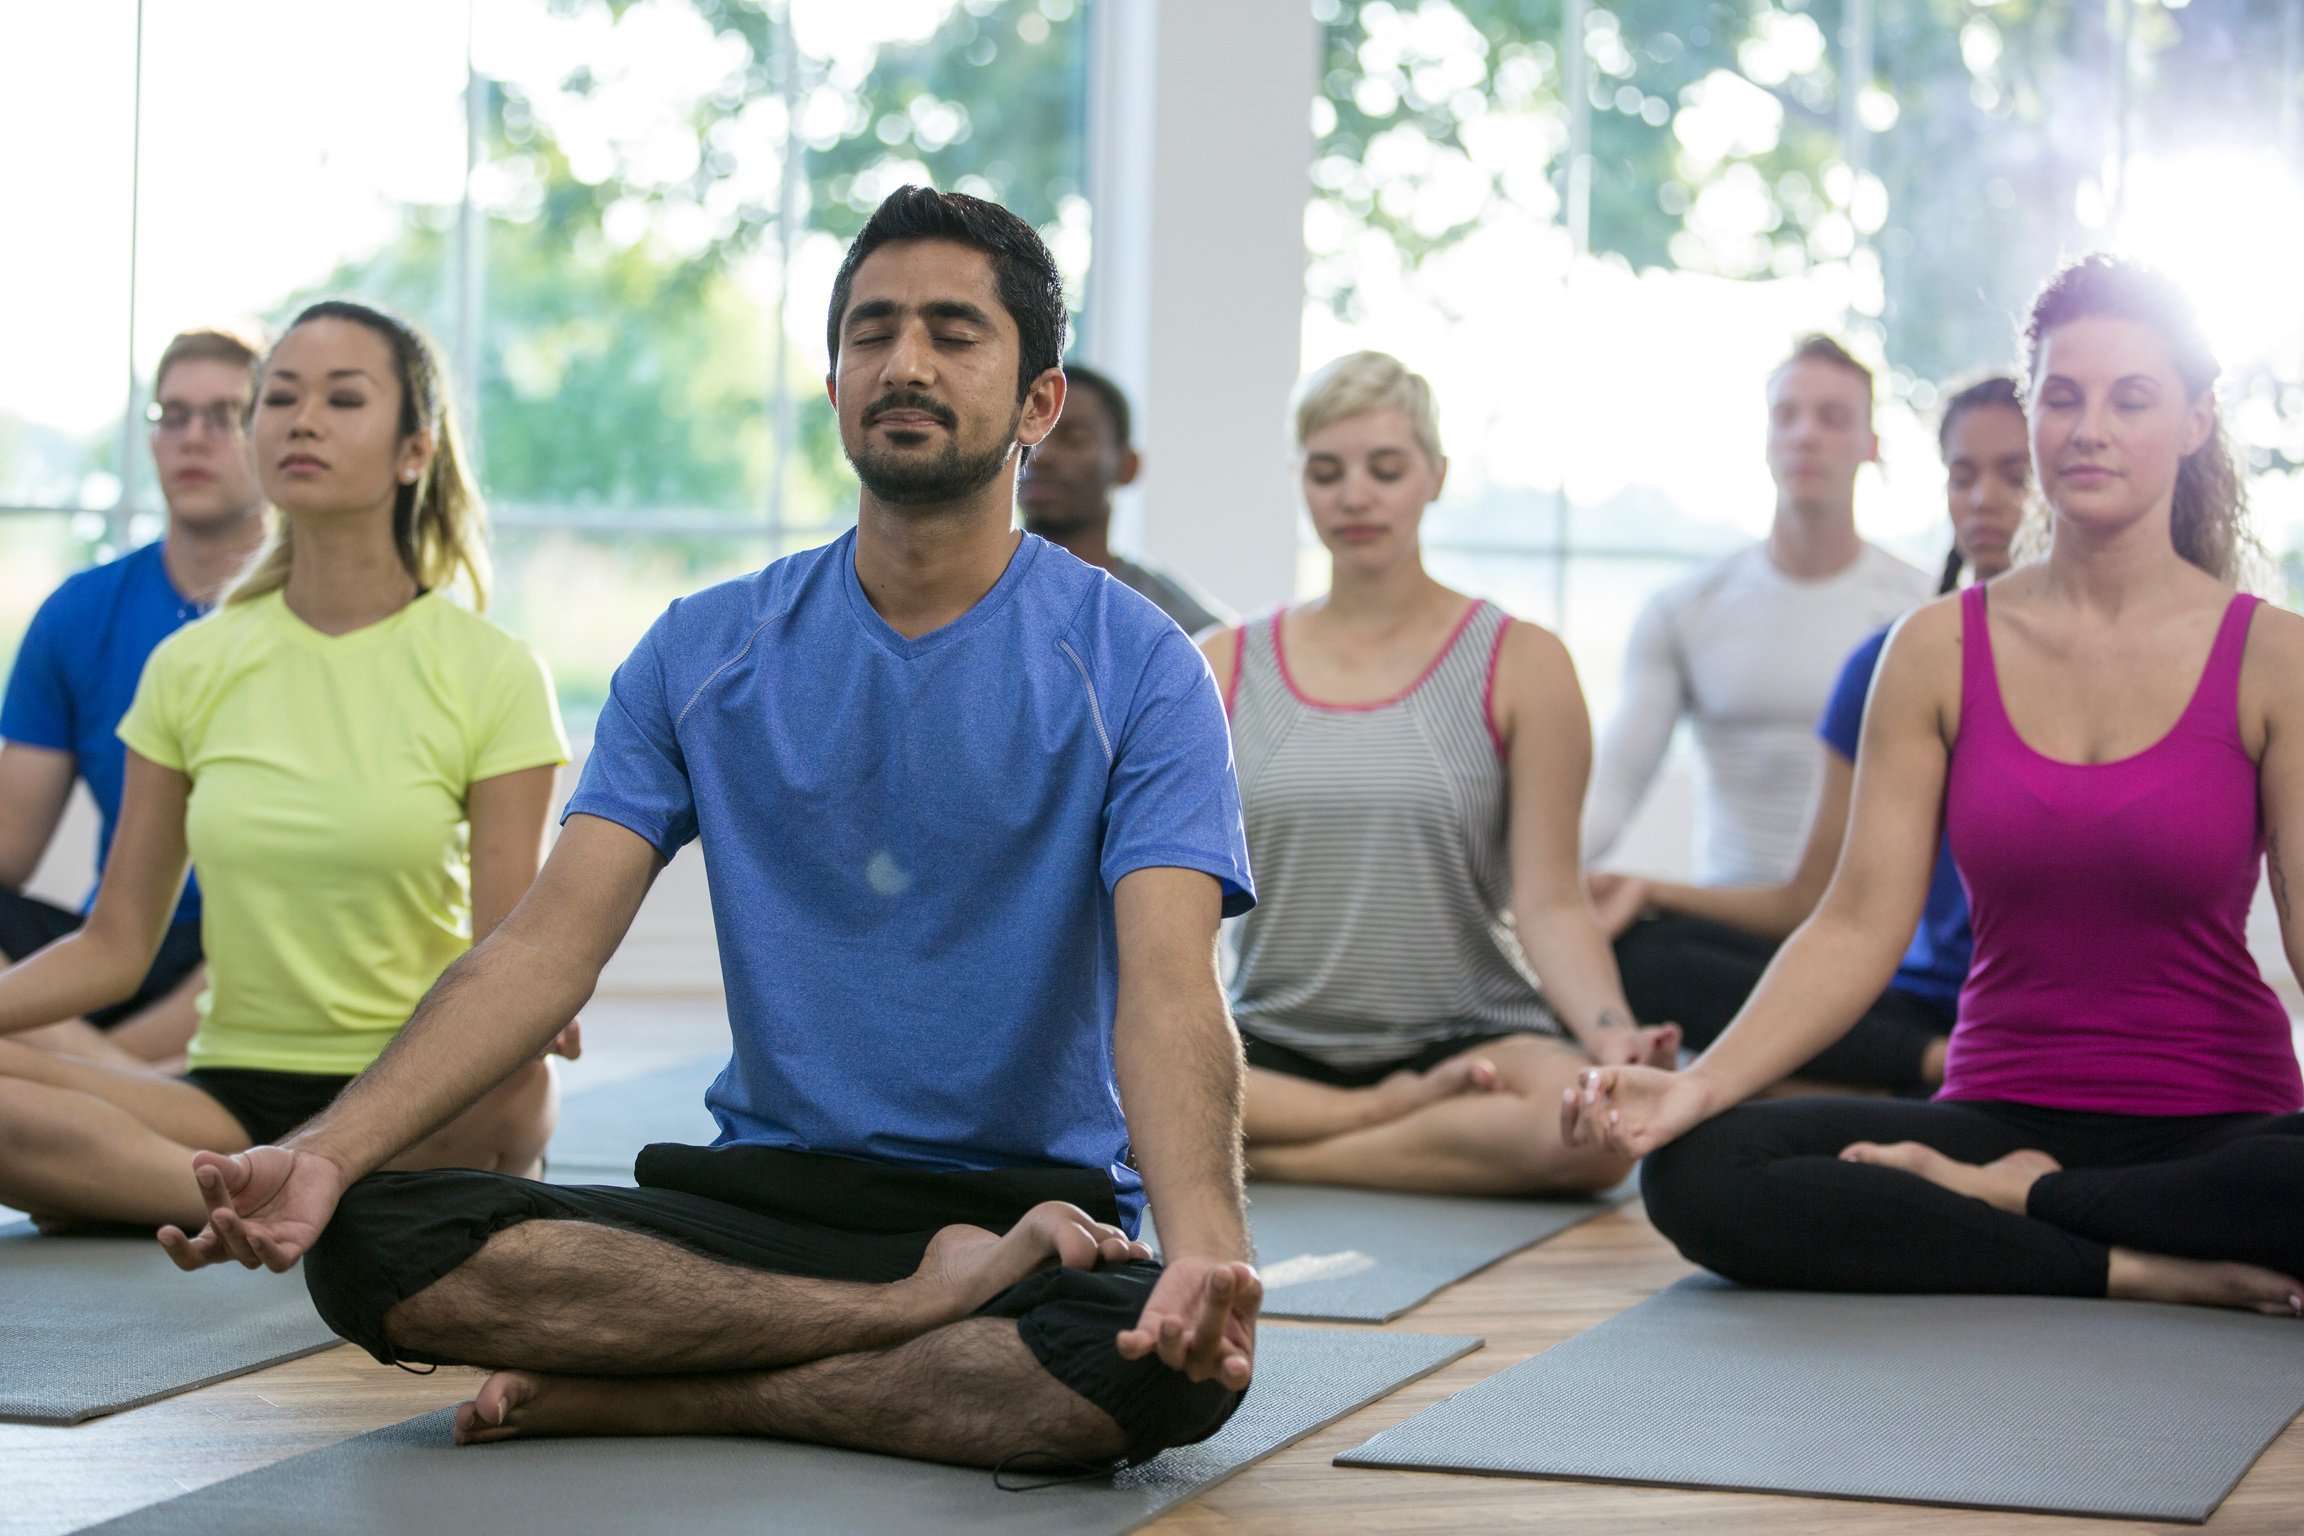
<point>328,812</point>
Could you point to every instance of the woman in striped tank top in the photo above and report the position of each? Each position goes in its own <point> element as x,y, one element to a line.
<point>2114,739</point>
<point>1412,765</point>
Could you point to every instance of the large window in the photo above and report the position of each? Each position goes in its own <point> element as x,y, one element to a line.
<point>619,219</point>
<point>1596,226</point>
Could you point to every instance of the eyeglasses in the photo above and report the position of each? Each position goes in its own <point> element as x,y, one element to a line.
<point>175,419</point>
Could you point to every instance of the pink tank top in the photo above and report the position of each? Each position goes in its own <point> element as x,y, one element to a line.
<point>2110,902</point>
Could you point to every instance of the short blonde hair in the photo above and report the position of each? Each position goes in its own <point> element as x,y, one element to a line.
<point>1360,382</point>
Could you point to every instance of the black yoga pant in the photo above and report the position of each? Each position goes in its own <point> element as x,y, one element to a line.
<point>1759,1194</point>
<point>1695,973</point>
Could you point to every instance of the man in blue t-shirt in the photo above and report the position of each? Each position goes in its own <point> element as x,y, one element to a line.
<point>77,669</point>
<point>971,823</point>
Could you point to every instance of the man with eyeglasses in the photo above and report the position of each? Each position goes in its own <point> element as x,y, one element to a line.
<point>78,668</point>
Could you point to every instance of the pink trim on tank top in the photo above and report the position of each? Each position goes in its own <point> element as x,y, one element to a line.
<point>1280,658</point>
<point>1488,690</point>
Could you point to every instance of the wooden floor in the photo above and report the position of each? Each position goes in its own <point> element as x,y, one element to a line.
<point>58,1480</point>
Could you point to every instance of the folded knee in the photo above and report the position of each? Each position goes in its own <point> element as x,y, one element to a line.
<point>1539,1163</point>
<point>1680,1184</point>
<point>1070,1320</point>
<point>21,1062</point>
<point>392,1236</point>
<point>30,1122</point>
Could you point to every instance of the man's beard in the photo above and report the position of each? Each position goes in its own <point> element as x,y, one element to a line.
<point>909,479</point>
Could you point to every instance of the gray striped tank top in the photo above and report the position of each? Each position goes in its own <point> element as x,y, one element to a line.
<point>1377,833</point>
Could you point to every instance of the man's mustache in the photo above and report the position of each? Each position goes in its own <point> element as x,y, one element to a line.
<point>905,400</point>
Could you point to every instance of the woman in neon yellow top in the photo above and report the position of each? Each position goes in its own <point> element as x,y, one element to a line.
<point>361,771</point>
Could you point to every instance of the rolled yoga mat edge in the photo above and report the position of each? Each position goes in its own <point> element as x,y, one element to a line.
<point>407,1477</point>
<point>2112,1409</point>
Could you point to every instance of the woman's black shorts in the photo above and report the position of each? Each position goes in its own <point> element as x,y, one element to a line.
<point>268,1105</point>
<point>1294,1063</point>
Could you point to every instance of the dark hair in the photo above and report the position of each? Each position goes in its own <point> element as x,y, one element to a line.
<point>1115,403</point>
<point>1031,289</point>
<point>439,525</point>
<point>1996,390</point>
<point>1816,347</point>
<point>2208,522</point>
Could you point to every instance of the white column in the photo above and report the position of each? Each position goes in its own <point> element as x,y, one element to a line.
<point>1200,147</point>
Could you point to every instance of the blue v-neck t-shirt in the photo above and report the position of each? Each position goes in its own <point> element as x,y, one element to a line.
<point>912,846</point>
<point>77,671</point>
<point>1936,964</point>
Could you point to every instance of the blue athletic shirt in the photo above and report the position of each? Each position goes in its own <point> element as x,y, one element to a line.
<point>76,673</point>
<point>912,846</point>
<point>1937,963</point>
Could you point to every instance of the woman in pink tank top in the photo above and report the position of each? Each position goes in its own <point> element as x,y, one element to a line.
<point>2114,739</point>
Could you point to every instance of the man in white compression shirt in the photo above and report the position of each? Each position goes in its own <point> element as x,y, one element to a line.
<point>1749,645</point>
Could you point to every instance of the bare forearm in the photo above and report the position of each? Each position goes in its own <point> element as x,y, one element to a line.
<point>1824,977</point>
<point>1770,911</point>
<point>1181,1081</point>
<point>79,972</point>
<point>1575,966</point>
<point>490,1013</point>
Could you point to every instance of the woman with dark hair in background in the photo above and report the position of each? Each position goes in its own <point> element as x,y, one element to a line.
<point>360,768</point>
<point>1699,969</point>
<point>2115,738</point>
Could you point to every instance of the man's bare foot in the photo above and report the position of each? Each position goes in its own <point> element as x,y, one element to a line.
<point>966,1267</point>
<point>2196,1282</point>
<point>1405,1092</point>
<point>2004,1183</point>
<point>516,1405</point>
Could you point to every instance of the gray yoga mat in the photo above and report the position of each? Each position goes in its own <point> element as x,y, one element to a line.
<point>409,1478</point>
<point>1328,1255</point>
<point>92,1325</point>
<point>1999,1402</point>
<point>1357,1255</point>
<point>602,1129</point>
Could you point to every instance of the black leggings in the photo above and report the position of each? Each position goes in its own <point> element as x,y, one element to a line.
<point>1696,973</point>
<point>1759,1194</point>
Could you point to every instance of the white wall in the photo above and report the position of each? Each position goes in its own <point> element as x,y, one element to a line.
<point>1200,150</point>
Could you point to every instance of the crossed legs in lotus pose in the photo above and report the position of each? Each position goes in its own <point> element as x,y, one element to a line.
<point>1480,1123</point>
<point>602,1330</point>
